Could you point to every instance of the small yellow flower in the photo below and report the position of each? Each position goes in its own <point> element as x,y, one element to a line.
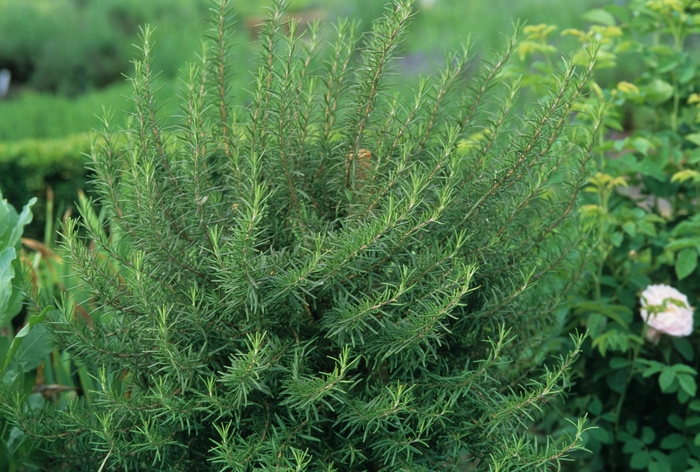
<point>541,31</point>
<point>580,35</point>
<point>666,6</point>
<point>627,88</point>
<point>686,174</point>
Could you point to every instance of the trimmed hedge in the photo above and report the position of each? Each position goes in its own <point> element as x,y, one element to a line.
<point>29,167</point>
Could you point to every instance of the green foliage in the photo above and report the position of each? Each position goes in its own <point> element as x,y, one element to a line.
<point>327,279</point>
<point>28,359</point>
<point>48,116</point>
<point>643,202</point>
<point>447,22</point>
<point>11,228</point>
<point>32,167</point>
<point>41,47</point>
<point>18,354</point>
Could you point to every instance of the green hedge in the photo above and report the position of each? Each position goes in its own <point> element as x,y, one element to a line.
<point>29,167</point>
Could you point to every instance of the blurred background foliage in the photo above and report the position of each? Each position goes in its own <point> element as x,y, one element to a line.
<point>76,47</point>
<point>69,58</point>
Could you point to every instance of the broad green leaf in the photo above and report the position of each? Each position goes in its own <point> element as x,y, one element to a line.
<point>620,12</point>
<point>666,379</point>
<point>648,435</point>
<point>596,324</point>
<point>663,49</point>
<point>639,281</point>
<point>630,228</point>
<point>609,280</point>
<point>650,168</point>
<point>599,16</point>
<point>4,347</point>
<point>659,91</point>
<point>8,220</point>
<point>693,138</point>
<point>596,406</point>
<point>616,238</point>
<point>683,243</point>
<point>7,273</point>
<point>655,466</point>
<point>684,369</point>
<point>24,219</point>
<point>13,379</point>
<point>684,347</point>
<point>639,460</point>
<point>669,63</point>
<point>11,228</point>
<point>19,337</point>
<point>15,439</point>
<point>35,401</point>
<point>620,314</point>
<point>687,383</point>
<point>672,441</point>
<point>14,305</point>
<point>602,435</point>
<point>618,363</point>
<point>687,72</point>
<point>686,228</point>
<point>686,262</point>
<point>36,346</point>
<point>632,445</point>
<point>642,145</point>
<point>676,421</point>
<point>654,368</point>
<point>646,227</point>
<point>617,381</point>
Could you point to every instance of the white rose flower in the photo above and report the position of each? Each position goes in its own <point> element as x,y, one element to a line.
<point>666,311</point>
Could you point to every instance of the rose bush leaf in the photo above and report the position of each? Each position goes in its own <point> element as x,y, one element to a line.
<point>684,369</point>
<point>600,16</point>
<point>639,460</point>
<point>672,441</point>
<point>688,384</point>
<point>666,379</point>
<point>684,348</point>
<point>686,262</point>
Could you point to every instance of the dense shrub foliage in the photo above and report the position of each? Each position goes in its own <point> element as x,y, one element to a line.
<point>638,385</point>
<point>331,278</point>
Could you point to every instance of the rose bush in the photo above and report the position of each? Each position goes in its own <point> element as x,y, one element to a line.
<point>644,203</point>
<point>665,310</point>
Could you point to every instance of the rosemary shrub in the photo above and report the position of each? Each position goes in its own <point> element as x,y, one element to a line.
<point>331,278</point>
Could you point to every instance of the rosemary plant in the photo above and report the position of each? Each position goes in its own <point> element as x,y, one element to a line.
<point>331,278</point>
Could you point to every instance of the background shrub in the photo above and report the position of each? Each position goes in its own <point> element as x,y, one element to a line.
<point>643,204</point>
<point>84,45</point>
<point>32,167</point>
